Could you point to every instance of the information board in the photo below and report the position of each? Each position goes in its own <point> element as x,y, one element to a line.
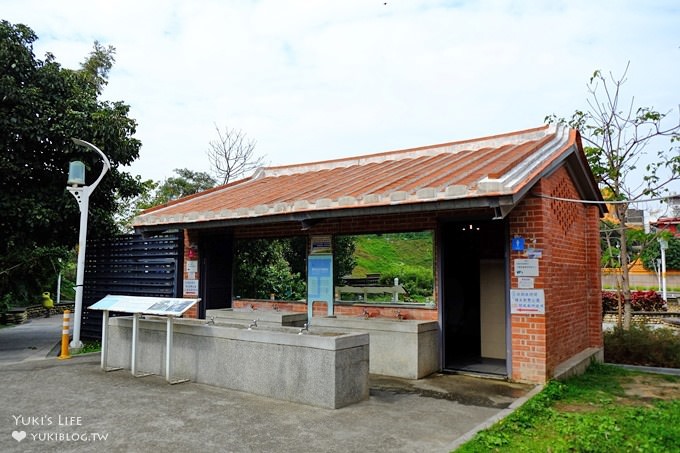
<point>320,281</point>
<point>526,267</point>
<point>527,301</point>
<point>163,306</point>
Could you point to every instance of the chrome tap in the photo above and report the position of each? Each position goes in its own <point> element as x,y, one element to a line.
<point>304,328</point>
<point>252,324</point>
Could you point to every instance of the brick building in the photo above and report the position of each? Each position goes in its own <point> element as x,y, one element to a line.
<point>516,260</point>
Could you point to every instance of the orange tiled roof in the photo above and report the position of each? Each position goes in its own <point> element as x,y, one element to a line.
<point>487,167</point>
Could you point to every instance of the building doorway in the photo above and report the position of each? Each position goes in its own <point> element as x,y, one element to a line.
<point>474,302</point>
<point>215,273</point>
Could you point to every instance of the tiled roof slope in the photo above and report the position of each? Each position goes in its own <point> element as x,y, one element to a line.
<point>486,167</point>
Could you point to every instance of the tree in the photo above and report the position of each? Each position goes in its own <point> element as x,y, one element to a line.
<point>261,268</point>
<point>231,155</point>
<point>651,254</point>
<point>617,134</point>
<point>43,106</point>
<point>187,182</point>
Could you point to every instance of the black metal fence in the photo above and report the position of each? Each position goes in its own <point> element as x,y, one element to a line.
<point>129,265</point>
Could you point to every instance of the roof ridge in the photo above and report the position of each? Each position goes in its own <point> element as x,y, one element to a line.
<point>431,150</point>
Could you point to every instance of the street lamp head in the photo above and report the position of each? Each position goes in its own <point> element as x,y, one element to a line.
<point>76,174</point>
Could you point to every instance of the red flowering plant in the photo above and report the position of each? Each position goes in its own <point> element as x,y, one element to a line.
<point>641,301</point>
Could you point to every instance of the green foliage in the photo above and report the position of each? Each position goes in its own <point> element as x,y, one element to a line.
<point>653,252</point>
<point>407,256</point>
<point>617,137</point>
<point>344,260</point>
<point>642,345</point>
<point>25,276</point>
<point>187,182</point>
<point>90,346</point>
<point>6,302</point>
<point>279,266</point>
<point>42,107</point>
<point>261,269</point>
<point>587,413</point>
<point>637,244</point>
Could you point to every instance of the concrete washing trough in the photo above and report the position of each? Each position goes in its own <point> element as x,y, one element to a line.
<point>326,369</point>
<point>263,317</point>
<point>402,348</point>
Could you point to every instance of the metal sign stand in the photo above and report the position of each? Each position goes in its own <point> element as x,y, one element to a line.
<point>168,352</point>
<point>168,307</point>
<point>105,343</point>
<point>133,354</point>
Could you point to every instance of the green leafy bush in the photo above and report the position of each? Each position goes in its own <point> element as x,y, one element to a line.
<point>643,345</point>
<point>641,301</point>
<point>653,252</point>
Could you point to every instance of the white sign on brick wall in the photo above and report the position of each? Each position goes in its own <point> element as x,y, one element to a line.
<point>191,287</point>
<point>527,301</point>
<point>526,267</point>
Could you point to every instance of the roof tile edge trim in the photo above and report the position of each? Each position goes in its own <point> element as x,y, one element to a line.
<point>433,150</point>
<point>395,198</point>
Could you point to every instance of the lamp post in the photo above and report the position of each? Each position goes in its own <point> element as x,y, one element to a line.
<point>663,245</point>
<point>76,185</point>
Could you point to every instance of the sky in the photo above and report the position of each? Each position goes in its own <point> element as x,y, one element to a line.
<point>316,80</point>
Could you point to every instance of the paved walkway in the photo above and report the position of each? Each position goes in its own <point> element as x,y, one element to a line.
<point>72,405</point>
<point>35,339</point>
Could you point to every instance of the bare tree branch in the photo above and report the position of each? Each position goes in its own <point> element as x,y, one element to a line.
<point>618,138</point>
<point>232,155</point>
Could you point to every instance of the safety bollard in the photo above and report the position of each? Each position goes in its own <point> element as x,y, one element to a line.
<point>65,354</point>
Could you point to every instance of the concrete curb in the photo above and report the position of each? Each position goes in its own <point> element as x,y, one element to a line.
<point>648,369</point>
<point>495,419</point>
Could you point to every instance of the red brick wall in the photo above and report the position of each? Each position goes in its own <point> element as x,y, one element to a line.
<point>190,253</point>
<point>356,310</point>
<point>568,235</point>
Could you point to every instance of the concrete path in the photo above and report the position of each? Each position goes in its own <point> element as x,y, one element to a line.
<point>35,339</point>
<point>72,405</point>
<point>52,405</point>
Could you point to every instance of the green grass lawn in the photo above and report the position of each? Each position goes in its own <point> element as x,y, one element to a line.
<point>607,409</point>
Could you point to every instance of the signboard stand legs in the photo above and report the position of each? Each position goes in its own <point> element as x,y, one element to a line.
<point>105,343</point>
<point>135,338</point>
<point>168,307</point>
<point>168,353</point>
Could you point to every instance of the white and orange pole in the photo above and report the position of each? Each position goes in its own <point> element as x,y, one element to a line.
<point>65,354</point>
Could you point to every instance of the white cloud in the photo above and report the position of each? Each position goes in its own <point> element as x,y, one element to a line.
<point>326,79</point>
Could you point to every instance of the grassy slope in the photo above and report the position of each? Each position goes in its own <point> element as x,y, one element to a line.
<point>605,410</point>
<point>382,254</point>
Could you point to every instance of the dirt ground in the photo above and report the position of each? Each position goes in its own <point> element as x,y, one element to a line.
<point>649,387</point>
<point>638,391</point>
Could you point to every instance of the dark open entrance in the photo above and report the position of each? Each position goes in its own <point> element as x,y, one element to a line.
<point>216,270</point>
<point>474,297</point>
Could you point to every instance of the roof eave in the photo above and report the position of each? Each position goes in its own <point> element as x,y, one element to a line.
<point>494,206</point>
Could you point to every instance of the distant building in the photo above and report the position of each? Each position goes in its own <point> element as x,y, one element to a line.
<point>667,224</point>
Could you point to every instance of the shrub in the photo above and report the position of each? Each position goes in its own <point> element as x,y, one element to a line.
<point>642,345</point>
<point>641,301</point>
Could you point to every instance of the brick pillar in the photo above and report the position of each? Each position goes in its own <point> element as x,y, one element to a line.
<point>190,273</point>
<point>529,331</point>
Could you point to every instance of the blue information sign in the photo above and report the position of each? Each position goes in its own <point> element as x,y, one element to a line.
<point>319,281</point>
